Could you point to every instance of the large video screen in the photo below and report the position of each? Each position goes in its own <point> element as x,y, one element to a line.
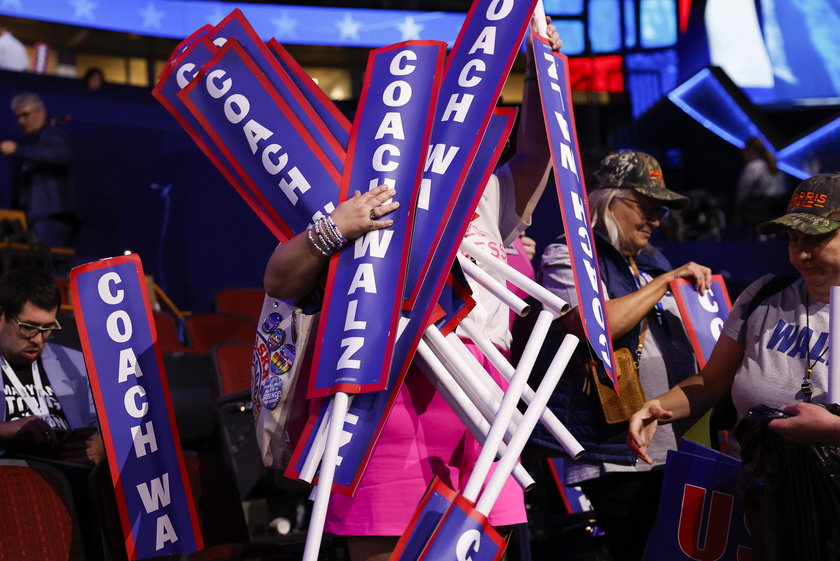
<point>778,51</point>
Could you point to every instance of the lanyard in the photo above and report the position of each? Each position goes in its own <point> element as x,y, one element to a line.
<point>641,279</point>
<point>36,403</point>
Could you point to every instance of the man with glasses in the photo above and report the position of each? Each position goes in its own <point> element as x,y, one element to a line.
<point>48,408</point>
<point>42,173</point>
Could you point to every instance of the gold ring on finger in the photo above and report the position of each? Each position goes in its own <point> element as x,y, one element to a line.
<point>373,214</point>
<point>370,225</point>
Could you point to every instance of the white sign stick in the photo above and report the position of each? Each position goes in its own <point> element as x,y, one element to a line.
<point>549,299</point>
<point>497,289</point>
<point>549,419</point>
<point>532,414</point>
<point>478,426</point>
<point>340,406</point>
<point>509,402</point>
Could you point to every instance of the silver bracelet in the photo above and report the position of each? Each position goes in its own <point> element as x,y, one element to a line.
<point>341,239</point>
<point>313,242</point>
<point>326,236</point>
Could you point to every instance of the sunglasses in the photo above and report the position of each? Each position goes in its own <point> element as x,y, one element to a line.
<point>648,211</point>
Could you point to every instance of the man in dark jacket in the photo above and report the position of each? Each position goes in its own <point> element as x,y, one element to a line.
<point>42,173</point>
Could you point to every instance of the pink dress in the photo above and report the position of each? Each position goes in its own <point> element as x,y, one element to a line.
<point>423,438</point>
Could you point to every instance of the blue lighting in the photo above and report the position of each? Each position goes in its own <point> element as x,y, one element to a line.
<point>649,75</point>
<point>604,26</point>
<point>705,99</point>
<point>563,8</point>
<point>658,23</point>
<point>573,34</point>
<point>289,24</point>
<point>813,153</point>
<point>630,24</point>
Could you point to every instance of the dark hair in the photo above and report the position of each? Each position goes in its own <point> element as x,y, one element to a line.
<point>757,147</point>
<point>91,72</point>
<point>19,286</point>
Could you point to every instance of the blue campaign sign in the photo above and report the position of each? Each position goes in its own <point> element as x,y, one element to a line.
<point>699,517</point>
<point>455,300</point>
<point>333,118</point>
<point>464,533</point>
<point>556,94</point>
<point>369,411</point>
<point>179,71</point>
<point>132,401</point>
<point>237,27</point>
<point>475,72</point>
<point>573,498</point>
<point>262,139</point>
<point>704,315</point>
<point>364,286</point>
<point>196,35</point>
<point>424,522</point>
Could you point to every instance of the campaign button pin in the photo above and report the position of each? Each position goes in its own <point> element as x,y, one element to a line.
<point>272,391</point>
<point>276,339</point>
<point>281,362</point>
<point>271,322</point>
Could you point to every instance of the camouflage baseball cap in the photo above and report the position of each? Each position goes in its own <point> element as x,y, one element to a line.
<point>641,172</point>
<point>814,207</point>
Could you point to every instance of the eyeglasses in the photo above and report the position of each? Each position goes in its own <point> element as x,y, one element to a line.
<point>649,211</point>
<point>28,331</point>
<point>25,114</point>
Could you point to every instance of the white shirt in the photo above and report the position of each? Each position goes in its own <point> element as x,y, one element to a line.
<point>495,226</point>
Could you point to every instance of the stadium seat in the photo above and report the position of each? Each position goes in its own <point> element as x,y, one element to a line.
<point>39,517</point>
<point>205,331</point>
<point>243,301</point>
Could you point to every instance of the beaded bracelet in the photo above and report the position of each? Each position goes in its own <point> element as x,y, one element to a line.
<point>319,231</point>
<point>323,233</point>
<point>341,239</point>
<point>328,234</point>
<point>321,250</point>
<point>329,237</point>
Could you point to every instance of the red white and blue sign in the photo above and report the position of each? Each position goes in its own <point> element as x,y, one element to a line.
<point>475,73</point>
<point>237,27</point>
<point>699,517</point>
<point>369,411</point>
<point>556,93</point>
<point>191,55</point>
<point>333,119</point>
<point>464,533</point>
<point>263,139</point>
<point>704,315</point>
<point>425,521</point>
<point>118,337</point>
<point>364,289</point>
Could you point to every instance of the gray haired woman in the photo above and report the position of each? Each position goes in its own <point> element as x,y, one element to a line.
<point>628,200</point>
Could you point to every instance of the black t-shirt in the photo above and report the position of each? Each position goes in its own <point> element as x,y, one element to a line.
<point>17,406</point>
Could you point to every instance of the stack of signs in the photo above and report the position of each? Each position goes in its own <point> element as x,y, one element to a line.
<point>699,517</point>
<point>432,133</point>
